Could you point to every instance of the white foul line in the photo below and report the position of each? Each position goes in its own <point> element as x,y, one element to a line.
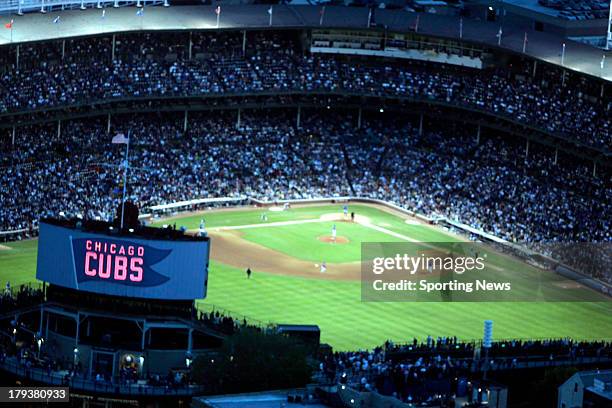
<point>388,232</point>
<point>297,222</point>
<point>268,224</point>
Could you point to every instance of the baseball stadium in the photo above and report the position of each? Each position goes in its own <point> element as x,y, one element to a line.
<point>335,204</point>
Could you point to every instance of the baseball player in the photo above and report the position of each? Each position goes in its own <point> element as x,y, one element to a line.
<point>333,233</point>
<point>202,230</point>
<point>345,209</point>
<point>323,267</point>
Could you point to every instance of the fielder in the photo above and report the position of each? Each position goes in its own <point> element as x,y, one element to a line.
<point>333,233</point>
<point>323,267</point>
<point>202,230</point>
<point>345,209</point>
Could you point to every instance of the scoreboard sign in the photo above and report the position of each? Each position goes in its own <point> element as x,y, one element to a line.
<point>122,266</point>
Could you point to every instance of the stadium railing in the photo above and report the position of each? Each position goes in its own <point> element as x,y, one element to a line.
<point>23,6</point>
<point>41,375</point>
<point>237,317</point>
<point>9,235</point>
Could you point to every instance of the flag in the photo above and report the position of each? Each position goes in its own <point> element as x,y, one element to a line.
<point>218,10</point>
<point>9,25</point>
<point>140,12</point>
<point>120,138</point>
<point>56,20</point>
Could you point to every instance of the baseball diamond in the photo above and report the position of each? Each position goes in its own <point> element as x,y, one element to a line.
<point>287,286</point>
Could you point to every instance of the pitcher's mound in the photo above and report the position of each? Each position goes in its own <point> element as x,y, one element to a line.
<point>328,238</point>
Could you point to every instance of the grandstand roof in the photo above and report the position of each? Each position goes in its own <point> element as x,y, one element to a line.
<point>38,27</point>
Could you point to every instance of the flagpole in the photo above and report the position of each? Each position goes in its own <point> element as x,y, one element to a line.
<point>271,11</point>
<point>127,166</point>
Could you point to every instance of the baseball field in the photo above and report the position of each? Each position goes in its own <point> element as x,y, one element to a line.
<point>285,250</point>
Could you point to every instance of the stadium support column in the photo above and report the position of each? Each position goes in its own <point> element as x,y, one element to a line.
<point>594,169</point>
<point>40,326</point>
<point>78,327</point>
<point>108,124</point>
<point>190,45</point>
<point>556,156</point>
<point>243,42</point>
<point>535,67</point>
<point>299,117</point>
<point>359,119</point>
<point>421,126</point>
<point>13,137</point>
<point>186,121</point>
<point>113,49</point>
<point>478,135</point>
<point>143,332</point>
<point>190,341</point>
<point>238,118</point>
<point>63,49</point>
<point>527,150</point>
<point>59,128</point>
<point>17,57</point>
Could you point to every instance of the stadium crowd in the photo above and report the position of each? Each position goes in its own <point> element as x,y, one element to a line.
<point>439,369</point>
<point>146,65</point>
<point>490,184</point>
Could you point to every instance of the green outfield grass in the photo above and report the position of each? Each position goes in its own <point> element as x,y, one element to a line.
<point>345,321</point>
